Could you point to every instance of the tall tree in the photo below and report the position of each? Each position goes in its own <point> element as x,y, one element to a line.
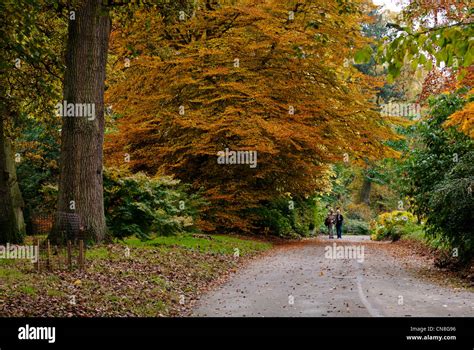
<point>268,78</point>
<point>29,70</point>
<point>80,187</point>
<point>375,30</point>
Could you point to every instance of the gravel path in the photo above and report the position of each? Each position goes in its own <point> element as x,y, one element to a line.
<point>301,280</point>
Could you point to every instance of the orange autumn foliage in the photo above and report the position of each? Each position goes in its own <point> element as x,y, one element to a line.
<point>463,120</point>
<point>266,76</point>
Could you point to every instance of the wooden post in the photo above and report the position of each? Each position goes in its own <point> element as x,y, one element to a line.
<point>69,255</point>
<point>57,252</point>
<point>48,255</point>
<point>81,255</point>
<point>38,264</point>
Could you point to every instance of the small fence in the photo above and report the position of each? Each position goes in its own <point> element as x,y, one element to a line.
<point>70,231</point>
<point>54,257</point>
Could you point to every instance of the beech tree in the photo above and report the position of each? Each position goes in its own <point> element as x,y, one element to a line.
<point>272,78</point>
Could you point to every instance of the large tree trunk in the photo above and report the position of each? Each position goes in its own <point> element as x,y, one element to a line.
<point>81,183</point>
<point>12,225</point>
<point>364,194</point>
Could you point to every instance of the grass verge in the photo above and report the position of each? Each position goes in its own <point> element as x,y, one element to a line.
<point>159,277</point>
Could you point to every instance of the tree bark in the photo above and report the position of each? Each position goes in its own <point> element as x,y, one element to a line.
<point>81,183</point>
<point>364,195</point>
<point>12,225</point>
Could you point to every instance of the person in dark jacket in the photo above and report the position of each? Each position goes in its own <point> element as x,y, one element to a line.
<point>339,221</point>
<point>330,222</point>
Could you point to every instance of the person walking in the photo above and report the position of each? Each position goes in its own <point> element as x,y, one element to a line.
<point>339,221</point>
<point>330,222</point>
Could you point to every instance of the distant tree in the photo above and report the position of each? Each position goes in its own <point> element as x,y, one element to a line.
<point>386,93</point>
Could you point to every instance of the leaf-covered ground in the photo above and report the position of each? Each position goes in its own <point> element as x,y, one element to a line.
<point>420,258</point>
<point>161,277</point>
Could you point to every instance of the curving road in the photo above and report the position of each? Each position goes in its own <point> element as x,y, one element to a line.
<point>303,280</point>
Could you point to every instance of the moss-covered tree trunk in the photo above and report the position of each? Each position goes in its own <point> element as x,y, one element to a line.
<point>81,183</point>
<point>12,225</point>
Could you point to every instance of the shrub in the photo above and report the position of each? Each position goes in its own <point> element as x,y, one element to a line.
<point>438,176</point>
<point>285,220</point>
<point>140,205</point>
<point>393,225</point>
<point>355,227</point>
<point>454,222</point>
<point>277,223</point>
<point>319,214</point>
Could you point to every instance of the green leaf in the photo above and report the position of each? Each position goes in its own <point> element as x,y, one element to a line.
<point>422,59</point>
<point>394,70</point>
<point>468,58</point>
<point>363,55</point>
<point>429,65</point>
<point>460,48</point>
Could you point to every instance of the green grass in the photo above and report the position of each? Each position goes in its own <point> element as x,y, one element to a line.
<point>7,262</point>
<point>27,289</point>
<point>55,293</point>
<point>159,281</point>
<point>97,253</point>
<point>113,297</point>
<point>150,309</point>
<point>10,273</point>
<point>417,235</point>
<point>220,244</point>
<point>217,244</point>
<point>166,268</point>
<point>53,279</point>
